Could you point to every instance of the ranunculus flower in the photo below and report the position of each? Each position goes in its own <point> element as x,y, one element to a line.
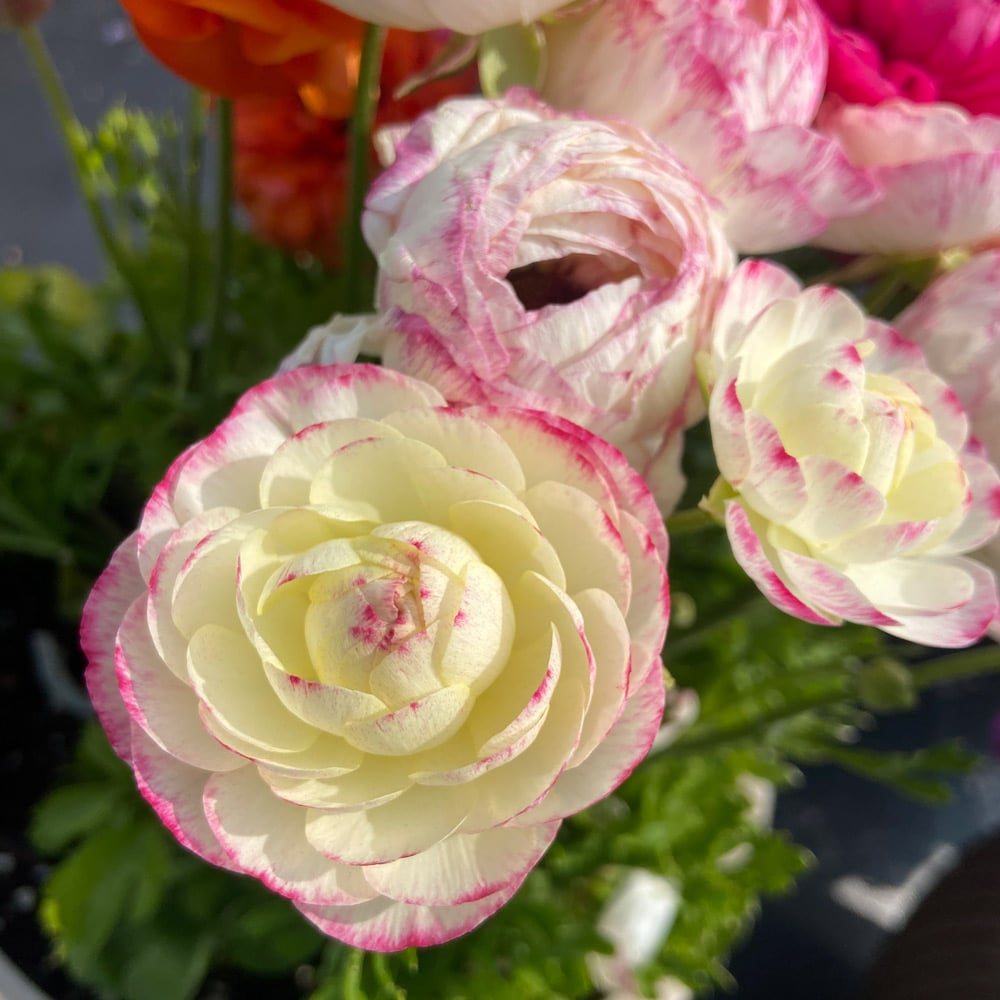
<point>371,650</point>
<point>920,50</point>
<point>731,87</point>
<point>291,165</point>
<point>938,169</point>
<point>849,489</point>
<point>456,15</point>
<point>266,47</point>
<point>956,321</point>
<point>557,262</point>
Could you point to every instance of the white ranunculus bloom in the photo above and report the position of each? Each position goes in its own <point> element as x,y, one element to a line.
<point>849,489</point>
<point>557,262</point>
<point>372,650</point>
<point>455,15</point>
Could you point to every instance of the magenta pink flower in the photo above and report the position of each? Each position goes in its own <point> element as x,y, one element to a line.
<point>532,258</point>
<point>925,51</point>
<point>371,650</point>
<point>731,87</point>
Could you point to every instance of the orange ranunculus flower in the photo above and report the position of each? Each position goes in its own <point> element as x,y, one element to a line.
<point>291,164</point>
<point>236,48</point>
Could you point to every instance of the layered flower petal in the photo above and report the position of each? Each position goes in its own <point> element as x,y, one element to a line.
<point>373,649</point>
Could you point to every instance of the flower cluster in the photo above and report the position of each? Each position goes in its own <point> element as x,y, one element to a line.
<point>380,632</point>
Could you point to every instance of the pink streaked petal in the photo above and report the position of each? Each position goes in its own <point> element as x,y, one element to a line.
<point>116,589</point>
<point>265,837</point>
<point>727,419</point>
<point>795,178</point>
<point>385,925</point>
<point>751,554</point>
<point>175,791</point>
<point>774,485</point>
<point>880,542</point>
<point>983,518</point>
<point>962,624</point>
<point>840,501</point>
<point>163,706</point>
<point>752,288</point>
<point>829,589</point>
<point>465,867</point>
<point>305,396</point>
<point>937,167</point>
<point>612,760</point>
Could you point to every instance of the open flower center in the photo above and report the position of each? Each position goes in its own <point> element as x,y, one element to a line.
<point>567,279</point>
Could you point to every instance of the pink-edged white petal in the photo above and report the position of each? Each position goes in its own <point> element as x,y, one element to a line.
<point>116,589</point>
<point>611,761</point>
<point>175,791</point>
<point>752,555</point>
<point>386,925</point>
<point>464,868</point>
<point>166,708</point>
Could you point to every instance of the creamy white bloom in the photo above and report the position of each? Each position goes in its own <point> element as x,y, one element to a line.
<point>848,487</point>
<point>532,258</point>
<point>455,15</point>
<point>731,87</point>
<point>371,650</point>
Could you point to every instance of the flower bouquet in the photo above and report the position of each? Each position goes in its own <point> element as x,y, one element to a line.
<point>544,327</point>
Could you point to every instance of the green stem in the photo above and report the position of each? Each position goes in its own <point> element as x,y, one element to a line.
<point>858,269</point>
<point>884,292</point>
<point>365,106</point>
<point>70,129</point>
<point>959,666</point>
<point>223,241</point>
<point>746,606</point>
<point>689,522</point>
<point>193,158</point>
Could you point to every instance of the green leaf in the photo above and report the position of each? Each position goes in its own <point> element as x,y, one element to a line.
<point>168,968</point>
<point>918,773</point>
<point>510,57</point>
<point>69,813</point>
<point>89,893</point>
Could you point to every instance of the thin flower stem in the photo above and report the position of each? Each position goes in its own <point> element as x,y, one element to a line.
<point>70,129</point>
<point>365,106</point>
<point>746,606</point>
<point>193,159</point>
<point>959,666</point>
<point>942,670</point>
<point>223,239</point>
<point>689,522</point>
<point>858,269</point>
